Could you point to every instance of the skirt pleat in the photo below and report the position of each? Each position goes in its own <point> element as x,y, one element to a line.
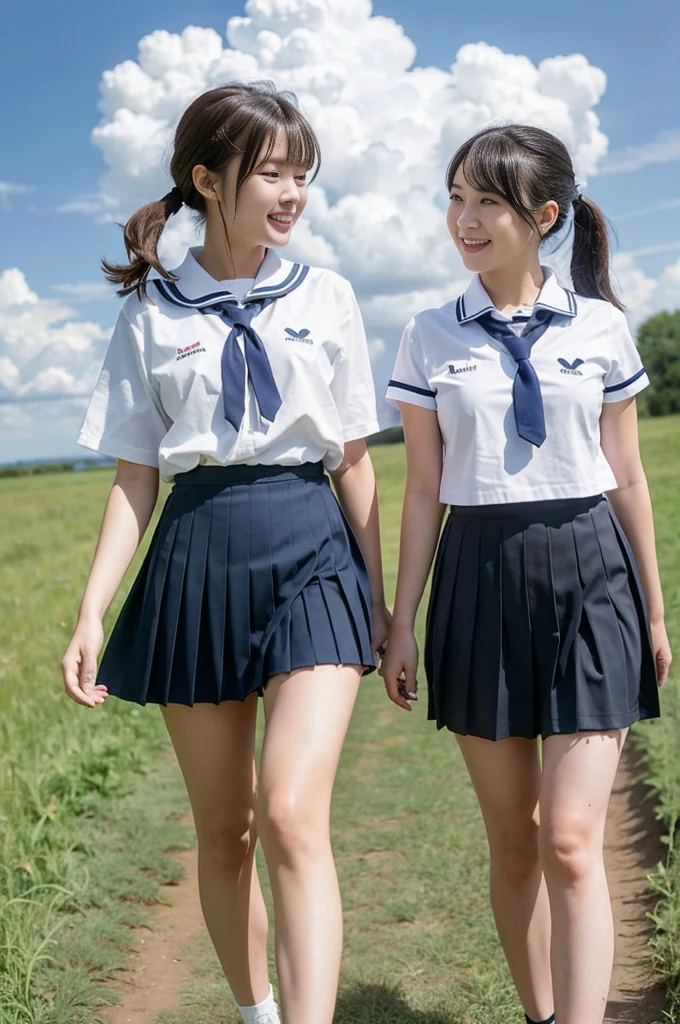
<point>537,623</point>
<point>252,571</point>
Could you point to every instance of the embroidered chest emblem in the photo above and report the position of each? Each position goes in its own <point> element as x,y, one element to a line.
<point>189,350</point>
<point>571,368</point>
<point>302,336</point>
<point>464,368</point>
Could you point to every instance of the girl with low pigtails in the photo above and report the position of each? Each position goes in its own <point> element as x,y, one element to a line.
<point>546,616</point>
<point>243,379</point>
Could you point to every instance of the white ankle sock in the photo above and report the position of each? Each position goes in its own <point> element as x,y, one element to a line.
<point>266,1012</point>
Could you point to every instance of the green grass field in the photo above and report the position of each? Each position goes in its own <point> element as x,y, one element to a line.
<point>89,802</point>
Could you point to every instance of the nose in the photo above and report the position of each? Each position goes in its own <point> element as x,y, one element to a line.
<point>467,218</point>
<point>290,193</point>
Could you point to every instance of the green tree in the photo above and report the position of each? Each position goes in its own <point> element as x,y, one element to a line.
<point>659,344</point>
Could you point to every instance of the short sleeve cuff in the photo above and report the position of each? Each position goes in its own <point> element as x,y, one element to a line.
<point>398,391</point>
<point>118,451</point>
<point>361,430</point>
<point>627,388</point>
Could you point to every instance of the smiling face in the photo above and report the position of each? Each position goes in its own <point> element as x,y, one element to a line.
<point>269,201</point>
<point>489,234</point>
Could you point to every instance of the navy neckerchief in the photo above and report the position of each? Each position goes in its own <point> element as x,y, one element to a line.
<point>253,360</point>
<point>526,390</point>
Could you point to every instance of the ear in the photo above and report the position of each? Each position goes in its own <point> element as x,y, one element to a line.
<point>546,216</point>
<point>205,182</point>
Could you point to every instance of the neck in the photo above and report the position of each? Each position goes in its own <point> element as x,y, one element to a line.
<point>512,287</point>
<point>224,264</point>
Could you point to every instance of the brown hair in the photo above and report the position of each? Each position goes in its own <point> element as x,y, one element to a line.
<point>527,167</point>
<point>221,124</point>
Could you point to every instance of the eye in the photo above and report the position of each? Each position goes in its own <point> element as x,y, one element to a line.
<point>270,174</point>
<point>302,178</point>
<point>487,199</point>
<point>455,198</point>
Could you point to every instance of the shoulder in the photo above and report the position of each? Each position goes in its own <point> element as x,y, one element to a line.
<point>598,309</point>
<point>601,316</point>
<point>433,321</point>
<point>328,282</point>
<point>136,307</point>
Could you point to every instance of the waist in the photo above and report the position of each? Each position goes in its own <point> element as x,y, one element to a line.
<point>535,510</point>
<point>224,476</point>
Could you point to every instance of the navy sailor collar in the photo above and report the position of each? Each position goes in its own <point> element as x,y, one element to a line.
<point>475,299</point>
<point>195,288</point>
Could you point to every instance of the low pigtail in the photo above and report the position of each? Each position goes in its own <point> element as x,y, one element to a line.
<point>141,235</point>
<point>590,256</point>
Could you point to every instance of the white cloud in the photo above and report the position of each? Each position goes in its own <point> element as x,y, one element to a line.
<point>47,355</point>
<point>9,189</point>
<point>85,291</point>
<point>653,250</point>
<point>644,295</point>
<point>387,130</point>
<point>661,150</point>
<point>644,211</point>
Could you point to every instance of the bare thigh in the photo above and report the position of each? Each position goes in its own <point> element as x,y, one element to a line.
<point>215,747</point>
<point>506,775</point>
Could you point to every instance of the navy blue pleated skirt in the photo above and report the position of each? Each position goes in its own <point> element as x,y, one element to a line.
<point>537,622</point>
<point>252,571</point>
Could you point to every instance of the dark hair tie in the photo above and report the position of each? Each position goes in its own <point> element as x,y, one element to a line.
<point>173,201</point>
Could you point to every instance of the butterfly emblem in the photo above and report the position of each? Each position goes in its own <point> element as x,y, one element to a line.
<point>302,335</point>
<point>570,366</point>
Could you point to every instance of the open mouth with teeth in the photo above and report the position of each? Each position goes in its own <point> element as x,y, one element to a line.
<point>474,244</point>
<point>281,221</point>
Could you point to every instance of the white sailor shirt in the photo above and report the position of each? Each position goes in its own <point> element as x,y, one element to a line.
<point>158,400</point>
<point>448,363</point>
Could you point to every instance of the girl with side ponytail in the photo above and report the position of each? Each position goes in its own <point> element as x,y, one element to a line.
<point>546,616</point>
<point>245,380</point>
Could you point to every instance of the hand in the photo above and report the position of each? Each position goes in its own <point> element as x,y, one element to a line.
<point>662,651</point>
<point>399,666</point>
<point>79,664</point>
<point>382,621</point>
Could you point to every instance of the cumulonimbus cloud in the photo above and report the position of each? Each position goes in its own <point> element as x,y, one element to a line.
<point>387,129</point>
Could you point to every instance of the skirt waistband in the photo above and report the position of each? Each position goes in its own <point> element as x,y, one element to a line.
<point>530,509</point>
<point>224,476</point>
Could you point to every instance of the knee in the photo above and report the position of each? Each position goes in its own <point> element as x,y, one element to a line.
<point>227,842</point>
<point>514,849</point>
<point>288,830</point>
<point>568,853</point>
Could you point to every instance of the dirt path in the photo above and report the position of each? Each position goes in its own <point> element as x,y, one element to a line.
<point>158,973</point>
<point>632,849</point>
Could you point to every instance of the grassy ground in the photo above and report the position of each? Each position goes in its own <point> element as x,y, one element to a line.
<point>89,803</point>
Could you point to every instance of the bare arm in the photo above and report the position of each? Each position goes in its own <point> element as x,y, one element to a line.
<point>633,507</point>
<point>420,525</point>
<point>127,514</point>
<point>354,483</point>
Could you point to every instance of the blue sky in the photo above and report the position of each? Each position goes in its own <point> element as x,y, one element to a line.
<point>51,65</point>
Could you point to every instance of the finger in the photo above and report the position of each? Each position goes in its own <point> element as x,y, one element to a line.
<point>662,670</point>
<point>395,691</point>
<point>88,669</point>
<point>72,667</point>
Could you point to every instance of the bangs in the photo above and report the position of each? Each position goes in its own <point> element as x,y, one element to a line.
<point>262,134</point>
<point>496,164</point>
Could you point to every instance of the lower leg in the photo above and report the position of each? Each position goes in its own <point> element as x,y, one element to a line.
<point>308,714</point>
<point>506,776</point>
<point>236,919</point>
<point>578,776</point>
<point>522,913</point>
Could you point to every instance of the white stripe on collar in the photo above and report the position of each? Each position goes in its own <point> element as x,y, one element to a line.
<point>195,288</point>
<point>475,299</point>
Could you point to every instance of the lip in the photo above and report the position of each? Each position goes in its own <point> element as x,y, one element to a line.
<point>282,226</point>
<point>472,249</point>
